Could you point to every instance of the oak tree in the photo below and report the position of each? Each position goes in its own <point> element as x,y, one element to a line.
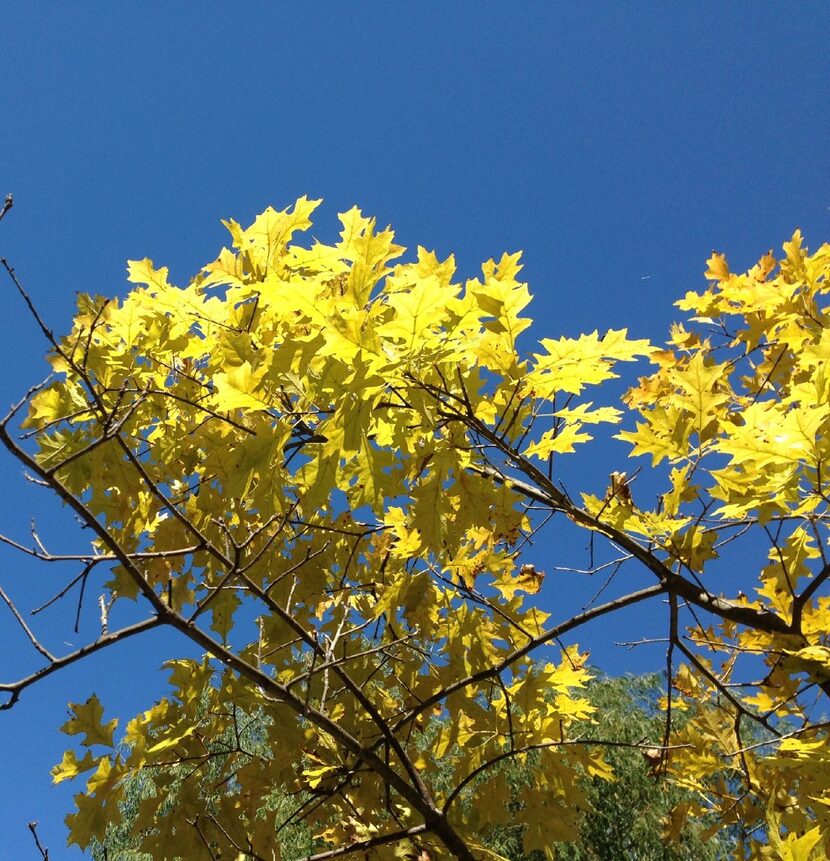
<point>323,466</point>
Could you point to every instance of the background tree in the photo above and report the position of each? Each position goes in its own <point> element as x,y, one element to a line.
<point>323,470</point>
<point>629,817</point>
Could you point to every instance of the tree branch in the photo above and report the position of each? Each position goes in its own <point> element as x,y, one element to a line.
<point>365,845</point>
<point>16,688</point>
<point>44,853</point>
<point>733,611</point>
<point>32,638</point>
<point>8,203</point>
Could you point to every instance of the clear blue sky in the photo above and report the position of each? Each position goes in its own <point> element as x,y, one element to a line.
<point>616,144</point>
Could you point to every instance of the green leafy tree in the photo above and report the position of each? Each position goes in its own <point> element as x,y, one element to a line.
<point>630,817</point>
<point>323,466</point>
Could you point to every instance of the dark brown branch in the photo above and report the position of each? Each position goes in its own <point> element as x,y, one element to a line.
<point>800,601</point>
<point>82,576</point>
<point>205,841</point>
<point>750,617</point>
<point>47,332</point>
<point>673,638</point>
<point>544,491</point>
<point>32,638</point>
<point>16,688</point>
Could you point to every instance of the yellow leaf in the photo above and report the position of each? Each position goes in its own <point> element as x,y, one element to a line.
<point>175,738</point>
<point>70,766</point>
<point>560,440</point>
<point>718,269</point>
<point>86,721</point>
<point>528,580</point>
<point>813,660</point>
<point>144,272</point>
<point>803,848</point>
<point>236,389</point>
<point>89,822</point>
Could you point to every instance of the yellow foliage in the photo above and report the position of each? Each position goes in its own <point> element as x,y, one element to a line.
<point>324,465</point>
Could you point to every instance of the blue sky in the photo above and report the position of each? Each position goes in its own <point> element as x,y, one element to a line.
<point>616,144</point>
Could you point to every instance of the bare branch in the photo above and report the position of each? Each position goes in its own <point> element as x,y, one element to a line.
<point>32,638</point>
<point>44,853</point>
<point>94,558</point>
<point>47,332</point>
<point>8,203</point>
<point>16,688</point>
<point>82,576</point>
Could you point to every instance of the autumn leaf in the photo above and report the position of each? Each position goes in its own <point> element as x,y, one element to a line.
<point>85,720</point>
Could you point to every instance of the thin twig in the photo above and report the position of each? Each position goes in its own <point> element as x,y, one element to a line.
<point>7,205</point>
<point>44,853</point>
<point>48,333</point>
<point>14,689</point>
<point>72,582</point>
<point>32,638</point>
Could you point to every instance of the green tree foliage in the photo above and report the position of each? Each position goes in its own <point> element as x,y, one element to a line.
<point>324,466</point>
<point>629,817</point>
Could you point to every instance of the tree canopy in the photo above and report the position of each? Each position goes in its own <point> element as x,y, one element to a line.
<point>323,467</point>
